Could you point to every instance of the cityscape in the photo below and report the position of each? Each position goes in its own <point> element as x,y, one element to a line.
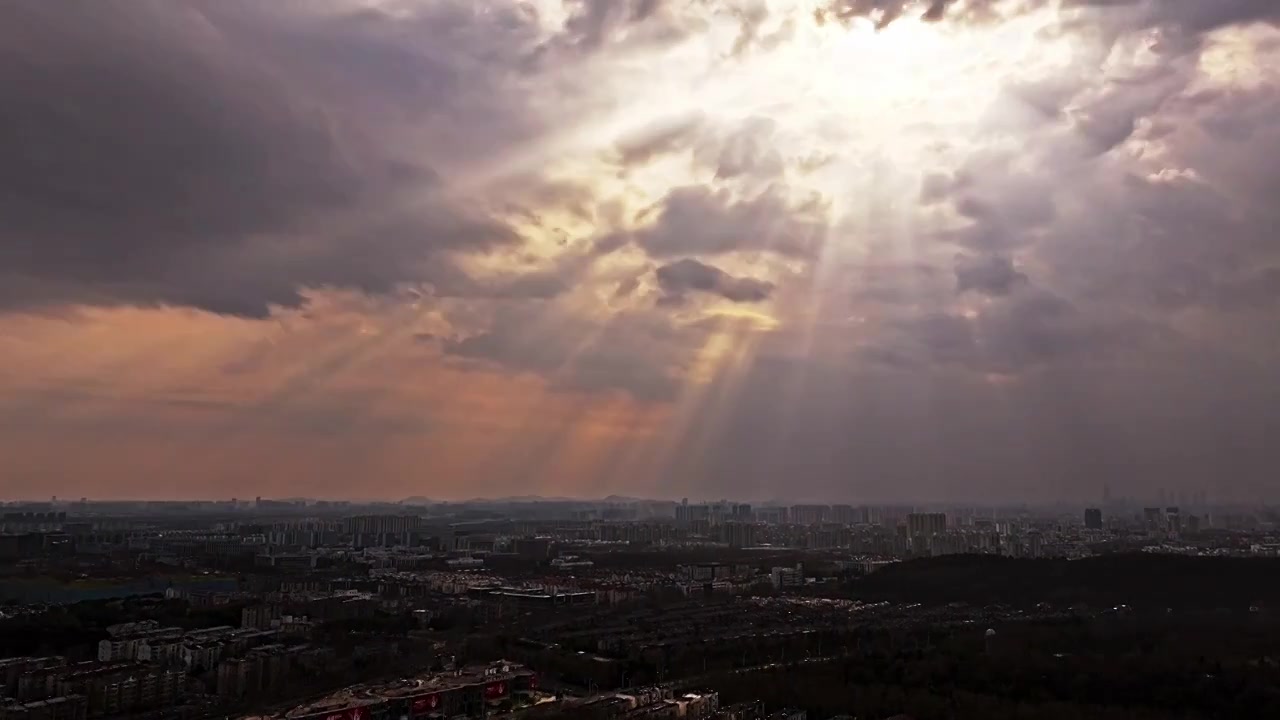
<point>613,608</point>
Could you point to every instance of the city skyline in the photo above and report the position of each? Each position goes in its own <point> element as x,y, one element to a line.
<point>1198,500</point>
<point>830,250</point>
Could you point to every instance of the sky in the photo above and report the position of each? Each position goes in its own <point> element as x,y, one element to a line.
<point>832,250</point>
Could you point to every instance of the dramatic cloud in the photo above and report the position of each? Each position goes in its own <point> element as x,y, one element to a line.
<point>695,219</point>
<point>991,274</point>
<point>638,352</point>
<point>885,12</point>
<point>225,155</point>
<point>688,275</point>
<point>663,138</point>
<point>889,249</point>
<point>1190,16</point>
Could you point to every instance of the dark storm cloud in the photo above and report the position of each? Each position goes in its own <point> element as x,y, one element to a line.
<point>225,154</point>
<point>697,220</point>
<point>1191,16</point>
<point>1193,230</point>
<point>1143,354</point>
<point>685,276</point>
<point>885,12</point>
<point>987,274</point>
<point>1003,205</point>
<point>1028,330</point>
<point>1131,206</point>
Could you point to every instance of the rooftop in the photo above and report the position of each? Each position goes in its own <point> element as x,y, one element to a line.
<point>373,694</point>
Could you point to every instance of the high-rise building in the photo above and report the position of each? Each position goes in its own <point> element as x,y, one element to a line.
<point>738,534</point>
<point>771,515</point>
<point>809,514</point>
<point>687,514</point>
<point>367,530</point>
<point>1035,544</point>
<point>1193,523</point>
<point>1153,518</point>
<point>1093,518</point>
<point>926,524</point>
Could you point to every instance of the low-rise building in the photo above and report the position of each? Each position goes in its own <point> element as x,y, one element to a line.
<point>67,707</point>
<point>470,692</point>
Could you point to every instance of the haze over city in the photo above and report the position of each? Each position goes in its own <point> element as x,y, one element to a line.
<point>841,251</point>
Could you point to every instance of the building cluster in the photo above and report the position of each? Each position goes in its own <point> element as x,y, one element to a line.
<point>75,539</point>
<point>468,692</point>
<point>303,597</point>
<point>50,688</point>
<point>190,650</point>
<point>650,703</point>
<point>266,669</point>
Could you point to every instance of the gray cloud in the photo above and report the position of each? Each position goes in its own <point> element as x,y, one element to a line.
<point>594,23</point>
<point>1189,17</point>
<point>987,274</point>
<point>688,275</point>
<point>697,220</point>
<point>885,12</point>
<point>660,139</point>
<point>1025,330</point>
<point>1131,207</point>
<point>225,154</point>
<point>752,16</point>
<point>639,352</point>
<point>746,151</point>
<point>933,434</point>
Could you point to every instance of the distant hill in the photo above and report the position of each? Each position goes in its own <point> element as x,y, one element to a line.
<point>418,500</point>
<point>1138,580</point>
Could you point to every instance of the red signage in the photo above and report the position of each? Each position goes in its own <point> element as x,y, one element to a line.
<point>425,703</point>
<point>493,691</point>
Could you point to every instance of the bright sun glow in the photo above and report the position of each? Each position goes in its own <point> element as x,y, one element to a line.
<point>841,95</point>
<point>847,113</point>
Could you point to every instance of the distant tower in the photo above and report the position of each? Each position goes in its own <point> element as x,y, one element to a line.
<point>1093,518</point>
<point>1106,494</point>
